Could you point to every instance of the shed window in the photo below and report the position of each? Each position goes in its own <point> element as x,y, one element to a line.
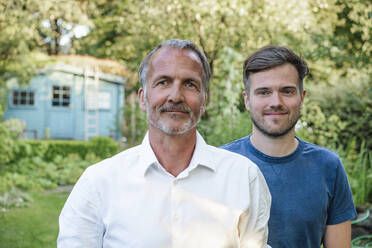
<point>61,96</point>
<point>23,98</point>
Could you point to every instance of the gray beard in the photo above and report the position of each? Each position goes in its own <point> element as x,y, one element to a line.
<point>171,131</point>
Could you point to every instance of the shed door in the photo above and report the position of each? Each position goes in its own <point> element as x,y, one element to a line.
<point>61,114</point>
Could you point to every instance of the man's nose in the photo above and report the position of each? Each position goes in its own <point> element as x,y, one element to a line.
<point>276,100</point>
<point>175,94</point>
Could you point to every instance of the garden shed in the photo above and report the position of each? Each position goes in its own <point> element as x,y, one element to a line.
<point>78,97</point>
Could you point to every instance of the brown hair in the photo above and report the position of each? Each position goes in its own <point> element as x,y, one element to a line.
<point>271,56</point>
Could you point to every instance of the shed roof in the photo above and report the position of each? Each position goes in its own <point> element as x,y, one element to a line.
<point>109,70</point>
<point>84,71</point>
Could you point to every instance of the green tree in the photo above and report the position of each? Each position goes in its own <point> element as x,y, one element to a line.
<point>57,19</point>
<point>30,29</point>
<point>34,25</point>
<point>127,30</point>
<point>16,37</point>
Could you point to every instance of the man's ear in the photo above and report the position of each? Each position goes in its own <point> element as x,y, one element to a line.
<point>246,100</point>
<point>303,95</point>
<point>302,98</point>
<point>204,104</point>
<point>141,99</point>
<point>202,109</point>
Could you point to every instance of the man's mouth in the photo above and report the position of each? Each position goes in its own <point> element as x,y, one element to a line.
<point>275,113</point>
<point>175,109</point>
<point>175,112</point>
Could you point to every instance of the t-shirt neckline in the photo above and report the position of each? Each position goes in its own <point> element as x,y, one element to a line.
<point>271,159</point>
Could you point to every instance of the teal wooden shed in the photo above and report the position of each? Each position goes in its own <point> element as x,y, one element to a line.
<point>67,101</point>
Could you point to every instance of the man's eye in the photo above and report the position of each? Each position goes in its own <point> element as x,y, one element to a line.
<point>289,92</point>
<point>263,93</point>
<point>190,85</point>
<point>161,83</point>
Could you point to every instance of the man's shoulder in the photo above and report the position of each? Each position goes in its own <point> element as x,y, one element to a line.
<point>318,151</point>
<point>236,144</point>
<point>231,160</point>
<point>322,157</point>
<point>119,161</point>
<point>222,152</point>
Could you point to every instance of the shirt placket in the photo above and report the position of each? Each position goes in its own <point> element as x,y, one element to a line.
<point>175,213</point>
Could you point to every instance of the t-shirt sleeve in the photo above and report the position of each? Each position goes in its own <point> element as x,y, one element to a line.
<point>341,207</point>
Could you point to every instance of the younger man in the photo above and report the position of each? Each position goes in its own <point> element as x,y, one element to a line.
<point>311,198</point>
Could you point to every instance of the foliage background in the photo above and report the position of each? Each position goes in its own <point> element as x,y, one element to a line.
<point>333,36</point>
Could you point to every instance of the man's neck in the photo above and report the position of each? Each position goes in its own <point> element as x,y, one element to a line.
<point>274,146</point>
<point>174,152</point>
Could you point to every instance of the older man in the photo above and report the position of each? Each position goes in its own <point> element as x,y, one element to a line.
<point>312,202</point>
<point>173,190</point>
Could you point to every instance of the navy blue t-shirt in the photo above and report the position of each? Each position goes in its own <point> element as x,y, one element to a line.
<point>309,190</point>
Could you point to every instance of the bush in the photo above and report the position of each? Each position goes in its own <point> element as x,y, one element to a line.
<point>225,118</point>
<point>223,129</point>
<point>34,173</point>
<point>135,121</point>
<point>9,132</point>
<point>13,198</point>
<point>48,150</point>
<point>358,166</point>
<point>44,164</point>
<point>350,102</point>
<point>319,128</point>
<point>103,147</point>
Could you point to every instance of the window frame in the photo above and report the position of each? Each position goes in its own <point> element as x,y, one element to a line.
<point>18,95</point>
<point>61,96</point>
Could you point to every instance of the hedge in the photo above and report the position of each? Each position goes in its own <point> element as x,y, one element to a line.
<point>102,147</point>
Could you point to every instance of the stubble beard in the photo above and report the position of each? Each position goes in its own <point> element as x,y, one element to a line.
<point>263,127</point>
<point>159,123</point>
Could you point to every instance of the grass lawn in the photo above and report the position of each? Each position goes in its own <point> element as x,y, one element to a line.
<point>35,226</point>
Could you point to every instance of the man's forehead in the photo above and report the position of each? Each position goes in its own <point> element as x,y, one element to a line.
<point>164,52</point>
<point>278,75</point>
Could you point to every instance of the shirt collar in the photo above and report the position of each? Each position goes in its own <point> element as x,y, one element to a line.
<point>147,156</point>
<point>200,156</point>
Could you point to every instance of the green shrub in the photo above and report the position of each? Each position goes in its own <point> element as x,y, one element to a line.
<point>20,181</point>
<point>48,150</point>
<point>226,118</point>
<point>34,173</point>
<point>135,120</point>
<point>222,129</point>
<point>350,101</point>
<point>9,132</point>
<point>45,164</point>
<point>13,198</point>
<point>65,147</point>
<point>10,180</point>
<point>358,166</point>
<point>103,147</point>
<point>319,128</point>
<point>30,148</point>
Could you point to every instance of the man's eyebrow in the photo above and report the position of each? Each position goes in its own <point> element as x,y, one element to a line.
<point>161,77</point>
<point>166,77</point>
<point>289,87</point>
<point>261,88</point>
<point>192,79</point>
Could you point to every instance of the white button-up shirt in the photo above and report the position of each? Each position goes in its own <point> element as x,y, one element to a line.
<point>220,200</point>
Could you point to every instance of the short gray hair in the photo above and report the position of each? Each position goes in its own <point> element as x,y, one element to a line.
<point>179,44</point>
